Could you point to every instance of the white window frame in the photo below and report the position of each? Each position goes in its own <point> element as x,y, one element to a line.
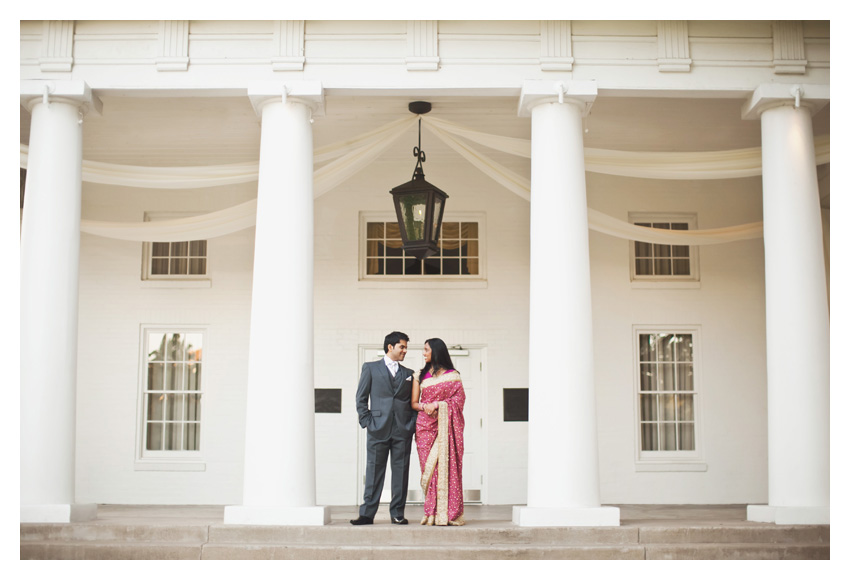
<point>660,281</point>
<point>171,280</point>
<point>178,460</point>
<point>441,281</point>
<point>669,460</point>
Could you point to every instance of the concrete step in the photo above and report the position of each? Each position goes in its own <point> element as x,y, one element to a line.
<point>109,540</point>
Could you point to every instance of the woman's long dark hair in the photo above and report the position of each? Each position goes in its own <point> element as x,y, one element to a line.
<point>440,358</point>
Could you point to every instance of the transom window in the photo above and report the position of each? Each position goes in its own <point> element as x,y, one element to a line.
<point>459,251</point>
<point>172,391</point>
<point>666,392</point>
<point>663,261</point>
<point>178,258</point>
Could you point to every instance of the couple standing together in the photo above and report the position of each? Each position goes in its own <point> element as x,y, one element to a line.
<point>393,403</point>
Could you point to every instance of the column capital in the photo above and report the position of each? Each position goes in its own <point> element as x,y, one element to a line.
<point>309,93</point>
<point>770,95</point>
<point>78,92</point>
<point>580,93</point>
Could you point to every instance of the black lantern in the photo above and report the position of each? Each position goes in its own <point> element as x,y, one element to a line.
<point>418,204</point>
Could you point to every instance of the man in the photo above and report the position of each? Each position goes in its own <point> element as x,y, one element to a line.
<point>383,407</point>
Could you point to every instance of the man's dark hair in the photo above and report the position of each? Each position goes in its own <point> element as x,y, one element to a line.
<point>394,338</point>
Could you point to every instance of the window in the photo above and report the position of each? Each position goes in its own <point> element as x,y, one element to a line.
<point>460,251</point>
<point>171,393</point>
<point>661,262</point>
<point>667,394</point>
<point>174,261</point>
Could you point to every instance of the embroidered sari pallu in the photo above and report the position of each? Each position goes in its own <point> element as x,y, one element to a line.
<point>439,442</point>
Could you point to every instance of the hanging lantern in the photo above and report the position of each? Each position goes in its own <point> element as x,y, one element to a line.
<point>418,204</point>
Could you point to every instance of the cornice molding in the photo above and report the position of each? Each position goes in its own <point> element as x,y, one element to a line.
<point>674,53</point>
<point>173,40</point>
<point>288,45</point>
<point>422,45</point>
<point>789,47</point>
<point>556,45</point>
<point>57,46</point>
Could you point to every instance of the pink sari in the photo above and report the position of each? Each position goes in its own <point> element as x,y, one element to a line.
<point>439,442</point>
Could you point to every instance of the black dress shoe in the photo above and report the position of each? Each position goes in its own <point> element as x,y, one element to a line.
<point>400,521</point>
<point>362,521</point>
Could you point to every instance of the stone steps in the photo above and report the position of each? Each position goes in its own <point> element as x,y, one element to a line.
<point>103,540</point>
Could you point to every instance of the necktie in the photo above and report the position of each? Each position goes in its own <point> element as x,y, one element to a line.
<point>393,367</point>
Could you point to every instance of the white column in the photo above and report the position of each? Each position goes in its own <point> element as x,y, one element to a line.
<point>50,258</point>
<point>797,319</point>
<point>563,470</point>
<point>280,463</point>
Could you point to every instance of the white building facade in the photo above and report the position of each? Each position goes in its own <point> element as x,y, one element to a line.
<point>209,254</point>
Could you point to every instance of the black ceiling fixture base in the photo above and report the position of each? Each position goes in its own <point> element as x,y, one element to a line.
<point>419,107</point>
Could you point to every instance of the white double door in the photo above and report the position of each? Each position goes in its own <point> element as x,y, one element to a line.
<point>468,362</point>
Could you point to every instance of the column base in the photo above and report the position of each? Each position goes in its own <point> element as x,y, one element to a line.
<point>58,513</point>
<point>788,515</point>
<point>565,517</point>
<point>277,515</point>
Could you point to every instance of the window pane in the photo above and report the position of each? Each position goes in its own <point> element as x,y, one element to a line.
<point>193,377</point>
<point>451,230</point>
<point>374,266</point>
<point>197,266</point>
<point>174,351</point>
<point>681,251</point>
<point>412,267</point>
<point>154,437</point>
<point>648,408</point>
<point>394,250</point>
<point>686,407</point>
<point>667,436</point>
<point>193,345</point>
<point>193,407</point>
<point>450,249</point>
<point>198,248</point>
<point>156,402</point>
<point>394,266</point>
<point>686,437</point>
<point>668,407</point>
<point>451,266</point>
<point>171,436</point>
<point>685,347</point>
<point>191,432</point>
<point>471,248</point>
<point>666,377</point>
<point>643,267</point>
<point>175,407</point>
<point>179,266</point>
<point>156,376</point>
<point>156,346</point>
<point>661,251</point>
<point>647,347</point>
<point>666,342</point>
<point>432,266</point>
<point>175,377</point>
<point>648,381</point>
<point>469,230</point>
<point>179,249</point>
<point>393,233</point>
<point>649,437</point>
<point>662,267</point>
<point>375,230</point>
<point>686,376</point>
<point>159,266</point>
<point>643,250</point>
<point>469,266</point>
<point>159,249</point>
<point>681,267</point>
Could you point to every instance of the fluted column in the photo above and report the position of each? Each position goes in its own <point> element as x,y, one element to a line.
<point>280,463</point>
<point>563,467</point>
<point>50,259</point>
<point>797,316</point>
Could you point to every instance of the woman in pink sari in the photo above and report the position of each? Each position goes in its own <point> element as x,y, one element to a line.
<point>438,395</point>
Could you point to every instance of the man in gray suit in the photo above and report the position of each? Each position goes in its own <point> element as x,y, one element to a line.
<point>383,407</point>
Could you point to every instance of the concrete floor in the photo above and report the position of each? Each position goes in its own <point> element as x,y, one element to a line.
<point>489,516</point>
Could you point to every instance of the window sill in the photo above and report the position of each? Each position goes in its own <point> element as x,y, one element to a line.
<point>145,465</point>
<point>396,283</point>
<point>671,466</point>
<point>178,284</point>
<point>665,284</point>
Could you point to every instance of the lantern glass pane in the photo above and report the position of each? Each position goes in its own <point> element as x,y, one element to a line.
<point>438,204</point>
<point>413,210</point>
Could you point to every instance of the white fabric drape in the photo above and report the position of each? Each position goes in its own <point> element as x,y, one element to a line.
<point>344,159</point>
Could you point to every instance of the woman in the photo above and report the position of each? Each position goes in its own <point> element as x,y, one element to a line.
<point>438,395</point>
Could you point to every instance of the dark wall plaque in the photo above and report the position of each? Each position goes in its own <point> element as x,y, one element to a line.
<point>515,404</point>
<point>328,400</point>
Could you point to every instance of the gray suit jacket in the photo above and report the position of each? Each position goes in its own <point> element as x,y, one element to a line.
<point>389,411</point>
